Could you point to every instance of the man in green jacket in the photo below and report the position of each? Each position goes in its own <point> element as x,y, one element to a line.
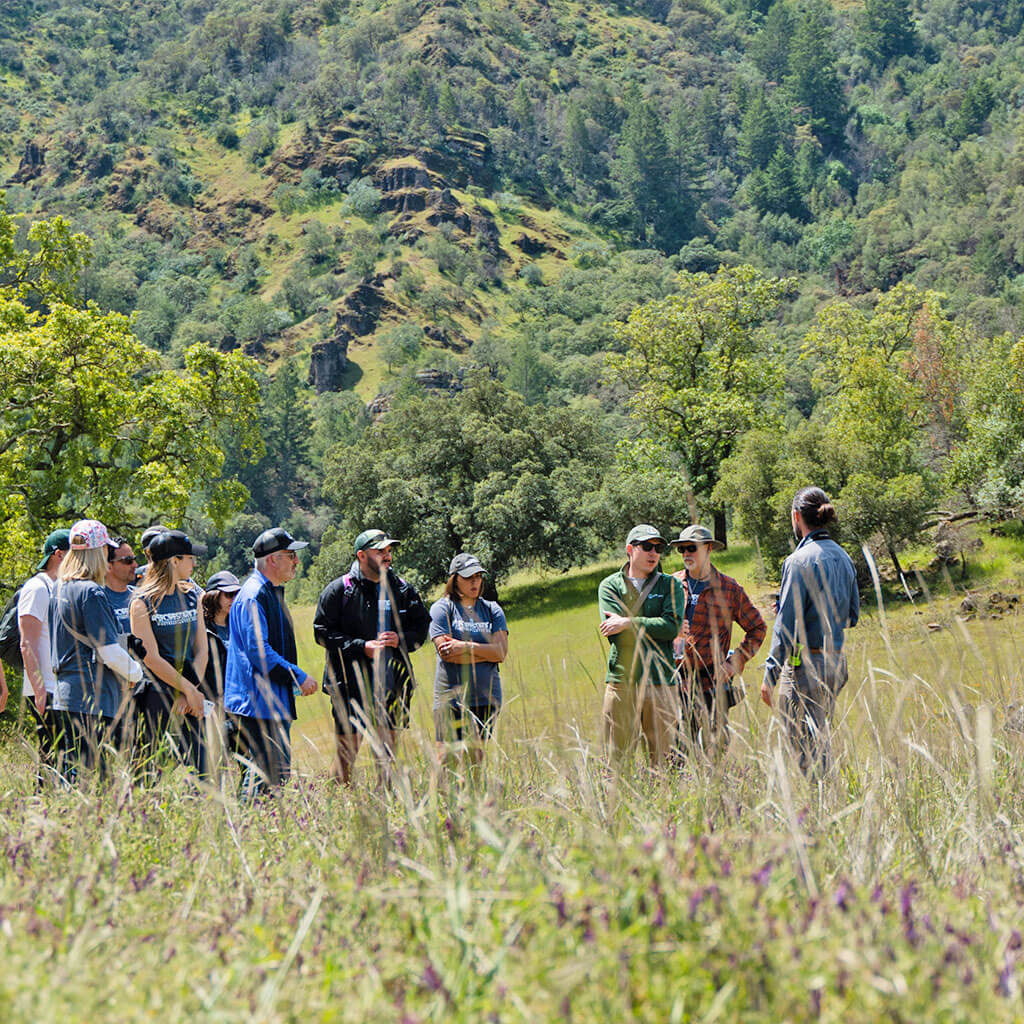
<point>641,611</point>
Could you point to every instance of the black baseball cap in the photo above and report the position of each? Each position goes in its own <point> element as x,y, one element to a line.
<point>278,539</point>
<point>224,581</point>
<point>171,543</point>
<point>150,534</point>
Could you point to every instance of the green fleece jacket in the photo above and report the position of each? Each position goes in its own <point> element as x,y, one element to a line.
<point>646,648</point>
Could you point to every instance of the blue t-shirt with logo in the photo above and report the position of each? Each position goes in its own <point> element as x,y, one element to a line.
<point>482,681</point>
<point>696,588</point>
<point>119,602</point>
<point>82,620</point>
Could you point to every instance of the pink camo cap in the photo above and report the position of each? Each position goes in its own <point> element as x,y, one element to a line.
<point>87,534</point>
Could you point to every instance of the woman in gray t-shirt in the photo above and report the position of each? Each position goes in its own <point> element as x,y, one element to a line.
<point>471,637</point>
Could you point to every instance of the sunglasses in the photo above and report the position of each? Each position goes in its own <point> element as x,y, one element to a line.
<point>127,559</point>
<point>688,549</point>
<point>650,545</point>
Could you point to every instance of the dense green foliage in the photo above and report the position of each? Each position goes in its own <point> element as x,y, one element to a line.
<point>92,422</point>
<point>502,185</point>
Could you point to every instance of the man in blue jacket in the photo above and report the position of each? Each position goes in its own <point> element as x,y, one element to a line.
<point>262,676</point>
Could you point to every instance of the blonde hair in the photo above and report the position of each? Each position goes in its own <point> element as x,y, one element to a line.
<point>159,581</point>
<point>84,564</point>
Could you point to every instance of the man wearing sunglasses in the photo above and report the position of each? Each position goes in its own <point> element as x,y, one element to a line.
<point>641,611</point>
<point>121,566</point>
<point>707,666</point>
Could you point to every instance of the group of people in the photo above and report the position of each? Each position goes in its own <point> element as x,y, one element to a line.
<point>142,660</point>
<point>672,670</point>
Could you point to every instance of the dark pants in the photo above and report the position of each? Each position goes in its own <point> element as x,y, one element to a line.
<point>160,732</point>
<point>807,698</point>
<point>86,742</point>
<point>265,743</point>
<point>705,718</point>
<point>47,728</point>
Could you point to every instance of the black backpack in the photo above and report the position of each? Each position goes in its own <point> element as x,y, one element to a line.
<point>10,634</point>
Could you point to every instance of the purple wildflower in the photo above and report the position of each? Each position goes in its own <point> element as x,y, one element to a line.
<point>431,979</point>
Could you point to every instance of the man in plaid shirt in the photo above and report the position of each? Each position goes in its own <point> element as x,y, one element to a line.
<point>702,649</point>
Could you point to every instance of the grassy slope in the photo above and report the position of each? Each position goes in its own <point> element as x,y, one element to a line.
<point>554,675</point>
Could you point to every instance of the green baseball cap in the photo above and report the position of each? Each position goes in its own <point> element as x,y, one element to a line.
<point>375,539</point>
<point>59,540</point>
<point>644,532</point>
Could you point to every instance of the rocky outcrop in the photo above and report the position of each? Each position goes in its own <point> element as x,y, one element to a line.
<point>328,362</point>
<point>357,317</point>
<point>433,381</point>
<point>33,162</point>
<point>338,151</point>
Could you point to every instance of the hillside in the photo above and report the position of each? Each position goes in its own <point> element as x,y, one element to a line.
<point>376,196</point>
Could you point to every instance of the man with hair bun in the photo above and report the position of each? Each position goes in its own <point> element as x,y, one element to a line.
<point>818,599</point>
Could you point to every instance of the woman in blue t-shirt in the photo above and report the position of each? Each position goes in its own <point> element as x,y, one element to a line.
<point>94,672</point>
<point>167,616</point>
<point>471,637</point>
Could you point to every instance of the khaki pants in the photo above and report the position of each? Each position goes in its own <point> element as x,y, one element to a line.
<point>632,708</point>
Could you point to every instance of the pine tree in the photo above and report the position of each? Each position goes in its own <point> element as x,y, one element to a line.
<point>886,31</point>
<point>576,148</point>
<point>770,47</point>
<point>813,82</point>
<point>759,134</point>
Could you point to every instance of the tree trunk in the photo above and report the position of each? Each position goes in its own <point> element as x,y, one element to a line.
<point>720,526</point>
<point>899,572</point>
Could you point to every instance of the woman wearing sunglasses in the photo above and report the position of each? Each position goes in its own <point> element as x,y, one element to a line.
<point>641,610</point>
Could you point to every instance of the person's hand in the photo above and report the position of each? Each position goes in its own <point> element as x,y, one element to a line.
<point>389,638</point>
<point>3,694</point>
<point>452,648</point>
<point>308,686</point>
<point>193,701</point>
<point>725,672</point>
<point>614,624</point>
<point>40,701</point>
<point>766,693</point>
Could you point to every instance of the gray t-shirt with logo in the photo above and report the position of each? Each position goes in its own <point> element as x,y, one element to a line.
<point>482,681</point>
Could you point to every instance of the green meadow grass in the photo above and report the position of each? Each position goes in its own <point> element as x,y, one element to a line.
<point>550,890</point>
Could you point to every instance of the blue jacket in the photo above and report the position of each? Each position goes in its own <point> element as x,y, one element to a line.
<point>261,672</point>
<point>818,599</point>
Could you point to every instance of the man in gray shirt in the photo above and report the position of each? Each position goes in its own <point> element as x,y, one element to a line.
<point>818,599</point>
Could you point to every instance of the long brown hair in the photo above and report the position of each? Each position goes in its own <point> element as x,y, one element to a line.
<point>159,581</point>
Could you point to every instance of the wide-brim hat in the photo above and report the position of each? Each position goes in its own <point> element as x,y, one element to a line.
<point>697,535</point>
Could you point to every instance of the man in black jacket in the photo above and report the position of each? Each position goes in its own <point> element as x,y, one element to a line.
<point>369,620</point>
